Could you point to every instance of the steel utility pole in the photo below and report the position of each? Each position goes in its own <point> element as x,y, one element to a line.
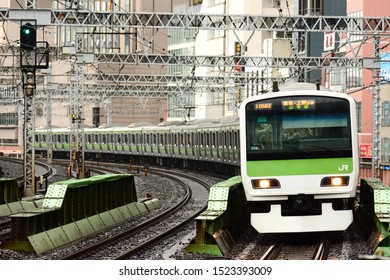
<point>76,96</point>
<point>375,164</point>
<point>28,57</point>
<point>77,114</point>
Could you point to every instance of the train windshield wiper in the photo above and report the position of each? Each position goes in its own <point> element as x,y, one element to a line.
<point>322,147</point>
<point>293,148</point>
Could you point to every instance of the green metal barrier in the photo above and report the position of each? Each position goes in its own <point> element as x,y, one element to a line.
<point>226,216</point>
<point>375,206</point>
<point>9,201</point>
<point>8,190</point>
<point>77,208</point>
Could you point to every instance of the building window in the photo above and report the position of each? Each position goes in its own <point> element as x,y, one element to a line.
<point>8,118</point>
<point>359,116</point>
<point>355,24</point>
<point>354,77</point>
<point>336,75</point>
<point>386,113</point>
<point>385,155</point>
<point>311,7</point>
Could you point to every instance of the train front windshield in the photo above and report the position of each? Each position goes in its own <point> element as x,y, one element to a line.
<point>298,127</point>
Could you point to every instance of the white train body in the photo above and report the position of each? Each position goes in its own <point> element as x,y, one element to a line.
<point>299,160</point>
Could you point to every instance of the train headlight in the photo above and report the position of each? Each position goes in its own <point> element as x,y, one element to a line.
<point>265,184</point>
<point>335,181</point>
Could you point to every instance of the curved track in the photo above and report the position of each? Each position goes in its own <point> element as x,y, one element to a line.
<point>41,169</point>
<point>132,240</point>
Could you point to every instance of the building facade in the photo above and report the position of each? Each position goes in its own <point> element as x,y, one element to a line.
<point>360,83</point>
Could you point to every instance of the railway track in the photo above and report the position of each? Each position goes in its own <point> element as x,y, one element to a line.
<point>304,249</point>
<point>127,243</point>
<point>45,170</point>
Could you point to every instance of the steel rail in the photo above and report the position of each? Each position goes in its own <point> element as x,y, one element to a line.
<point>114,239</point>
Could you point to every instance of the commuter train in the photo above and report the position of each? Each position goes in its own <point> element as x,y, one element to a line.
<point>299,160</point>
<point>296,151</point>
<point>207,145</point>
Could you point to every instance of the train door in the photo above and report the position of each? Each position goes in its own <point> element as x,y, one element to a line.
<point>202,144</point>
<point>65,141</point>
<point>139,142</point>
<point>154,146</point>
<point>168,144</point>
<point>125,144</point>
<point>213,143</point>
<point>182,145</point>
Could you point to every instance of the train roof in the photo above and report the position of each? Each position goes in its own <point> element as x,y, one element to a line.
<point>145,126</point>
<point>293,85</point>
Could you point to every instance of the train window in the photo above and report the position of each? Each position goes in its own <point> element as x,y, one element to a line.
<point>207,139</point>
<point>104,138</point>
<point>126,138</point>
<point>66,138</point>
<point>181,139</point>
<point>296,127</point>
<point>43,137</point>
<point>154,139</point>
<point>227,133</point>
<point>132,138</point>
<point>194,139</point>
<point>161,139</point>
<point>119,138</point>
<point>89,138</point>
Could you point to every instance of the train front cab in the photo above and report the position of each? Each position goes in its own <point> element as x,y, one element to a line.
<point>290,183</point>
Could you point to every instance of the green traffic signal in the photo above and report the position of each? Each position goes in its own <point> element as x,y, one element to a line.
<point>26,31</point>
<point>28,37</point>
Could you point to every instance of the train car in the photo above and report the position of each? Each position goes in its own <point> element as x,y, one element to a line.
<point>228,140</point>
<point>197,144</point>
<point>299,160</point>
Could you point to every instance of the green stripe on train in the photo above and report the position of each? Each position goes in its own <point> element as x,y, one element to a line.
<point>299,167</point>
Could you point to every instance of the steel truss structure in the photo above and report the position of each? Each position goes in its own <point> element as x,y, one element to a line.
<point>117,20</point>
<point>87,85</point>
<point>225,22</point>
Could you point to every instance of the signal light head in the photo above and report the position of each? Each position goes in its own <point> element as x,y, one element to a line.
<point>28,37</point>
<point>26,31</point>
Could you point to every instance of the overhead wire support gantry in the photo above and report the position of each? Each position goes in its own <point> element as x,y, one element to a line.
<point>217,21</point>
<point>121,19</point>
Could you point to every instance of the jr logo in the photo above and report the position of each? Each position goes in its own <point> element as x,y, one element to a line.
<point>343,167</point>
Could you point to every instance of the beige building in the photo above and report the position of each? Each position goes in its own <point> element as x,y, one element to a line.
<point>110,97</point>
